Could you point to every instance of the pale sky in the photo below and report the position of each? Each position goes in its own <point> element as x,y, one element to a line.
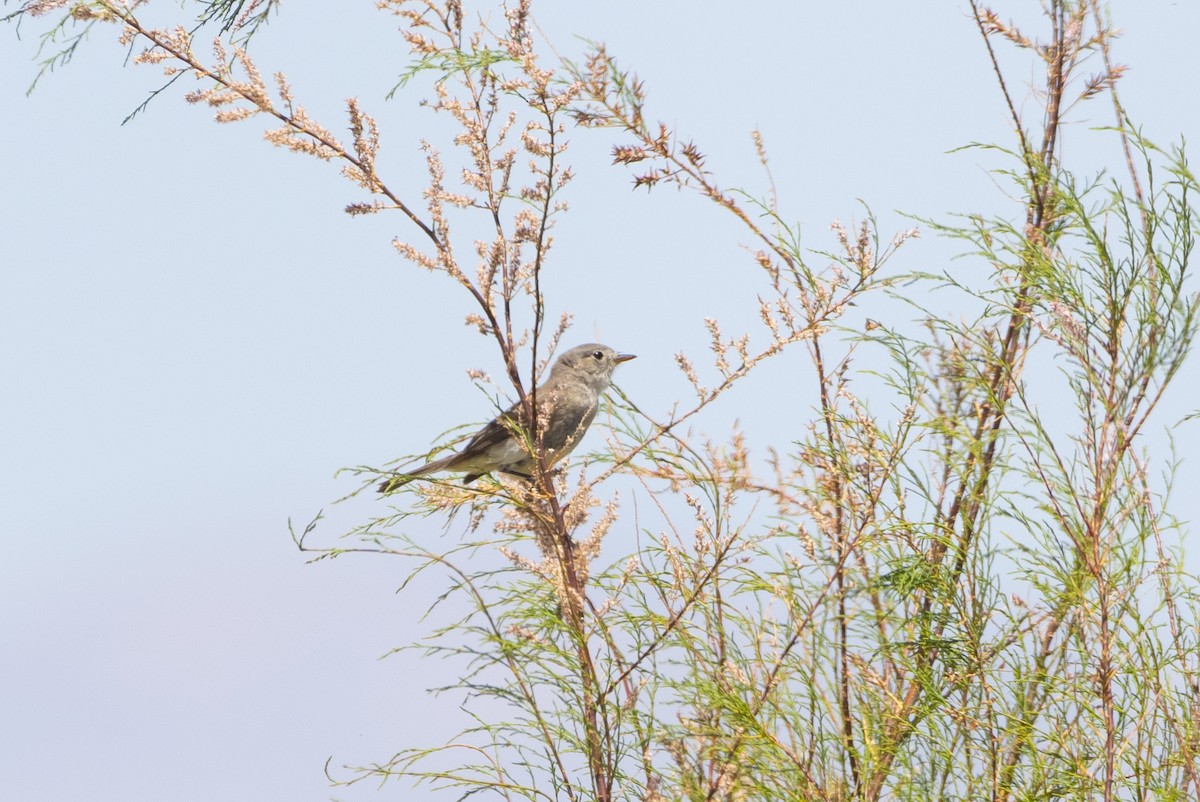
<point>196,338</point>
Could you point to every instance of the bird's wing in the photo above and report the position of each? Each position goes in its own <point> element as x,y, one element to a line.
<point>503,428</point>
<point>495,432</point>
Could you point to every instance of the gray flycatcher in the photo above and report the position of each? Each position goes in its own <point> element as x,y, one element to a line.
<point>567,404</point>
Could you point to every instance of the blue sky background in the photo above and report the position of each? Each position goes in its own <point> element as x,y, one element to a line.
<point>195,338</point>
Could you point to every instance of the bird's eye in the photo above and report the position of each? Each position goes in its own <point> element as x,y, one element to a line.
<point>598,354</point>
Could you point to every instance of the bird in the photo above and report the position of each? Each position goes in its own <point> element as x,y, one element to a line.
<point>567,404</point>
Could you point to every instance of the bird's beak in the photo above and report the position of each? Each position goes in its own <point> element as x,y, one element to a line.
<point>625,357</point>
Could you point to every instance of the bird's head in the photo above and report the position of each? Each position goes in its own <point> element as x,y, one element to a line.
<point>593,361</point>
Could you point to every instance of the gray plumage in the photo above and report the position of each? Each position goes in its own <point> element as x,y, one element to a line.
<point>567,405</point>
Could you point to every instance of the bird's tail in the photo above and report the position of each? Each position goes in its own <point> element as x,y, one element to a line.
<point>394,483</point>
<point>402,478</point>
